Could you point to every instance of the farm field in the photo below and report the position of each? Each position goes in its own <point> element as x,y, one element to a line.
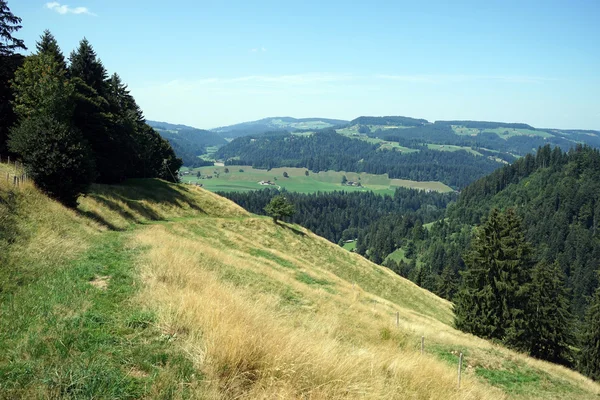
<point>350,246</point>
<point>352,133</point>
<point>324,181</point>
<point>449,147</point>
<point>504,133</point>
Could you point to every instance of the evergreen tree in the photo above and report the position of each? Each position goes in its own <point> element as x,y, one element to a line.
<point>48,45</point>
<point>93,115</point>
<point>491,302</point>
<point>589,362</point>
<point>549,320</point>
<point>9,62</point>
<point>85,64</point>
<point>9,23</point>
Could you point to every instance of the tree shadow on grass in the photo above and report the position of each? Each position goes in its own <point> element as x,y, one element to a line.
<point>154,191</point>
<point>140,196</point>
<point>98,218</point>
<point>290,228</point>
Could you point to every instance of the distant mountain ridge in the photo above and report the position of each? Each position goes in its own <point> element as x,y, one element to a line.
<point>288,124</point>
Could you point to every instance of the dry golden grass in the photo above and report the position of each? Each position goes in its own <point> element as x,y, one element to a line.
<point>250,344</point>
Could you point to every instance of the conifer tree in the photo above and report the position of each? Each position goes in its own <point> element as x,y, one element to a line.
<point>48,45</point>
<point>9,62</point>
<point>492,299</point>
<point>549,320</point>
<point>85,64</point>
<point>589,362</point>
<point>9,23</point>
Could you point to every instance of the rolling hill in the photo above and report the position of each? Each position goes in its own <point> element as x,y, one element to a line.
<point>287,124</point>
<point>156,290</point>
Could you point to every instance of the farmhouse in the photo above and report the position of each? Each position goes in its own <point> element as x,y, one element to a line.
<point>266,183</point>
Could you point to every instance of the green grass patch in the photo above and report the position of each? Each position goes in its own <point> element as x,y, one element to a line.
<point>272,257</point>
<point>74,333</point>
<point>350,246</point>
<point>449,147</point>
<point>512,380</point>
<point>311,280</point>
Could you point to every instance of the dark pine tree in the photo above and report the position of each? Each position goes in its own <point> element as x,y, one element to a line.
<point>9,62</point>
<point>48,45</point>
<point>9,23</point>
<point>491,301</point>
<point>549,320</point>
<point>93,117</point>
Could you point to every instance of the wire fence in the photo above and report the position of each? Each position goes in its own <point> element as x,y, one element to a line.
<point>15,174</point>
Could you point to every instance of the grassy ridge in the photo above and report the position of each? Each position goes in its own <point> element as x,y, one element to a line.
<point>168,291</point>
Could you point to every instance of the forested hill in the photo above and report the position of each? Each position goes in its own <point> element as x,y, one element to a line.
<point>558,197</point>
<point>555,193</point>
<point>326,149</point>
<point>287,124</point>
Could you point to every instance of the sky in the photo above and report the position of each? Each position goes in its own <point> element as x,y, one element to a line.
<point>216,63</point>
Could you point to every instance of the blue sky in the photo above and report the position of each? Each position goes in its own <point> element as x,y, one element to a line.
<point>214,63</point>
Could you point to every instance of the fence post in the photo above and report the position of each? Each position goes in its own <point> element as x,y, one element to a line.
<point>422,344</point>
<point>460,360</point>
<point>14,181</point>
<point>397,319</point>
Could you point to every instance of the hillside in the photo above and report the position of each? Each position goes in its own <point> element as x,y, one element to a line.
<point>189,143</point>
<point>156,290</point>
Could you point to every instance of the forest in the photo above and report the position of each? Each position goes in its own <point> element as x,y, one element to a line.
<point>70,122</point>
<point>327,150</point>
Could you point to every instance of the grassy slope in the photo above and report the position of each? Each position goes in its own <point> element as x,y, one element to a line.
<point>324,181</point>
<point>188,295</point>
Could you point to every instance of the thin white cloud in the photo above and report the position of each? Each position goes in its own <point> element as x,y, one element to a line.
<point>297,80</point>
<point>258,50</point>
<point>438,79</point>
<point>65,9</point>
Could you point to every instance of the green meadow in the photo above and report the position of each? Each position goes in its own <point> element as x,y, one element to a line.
<point>243,178</point>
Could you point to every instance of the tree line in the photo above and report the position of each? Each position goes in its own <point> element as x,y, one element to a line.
<point>70,122</point>
<point>340,216</point>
